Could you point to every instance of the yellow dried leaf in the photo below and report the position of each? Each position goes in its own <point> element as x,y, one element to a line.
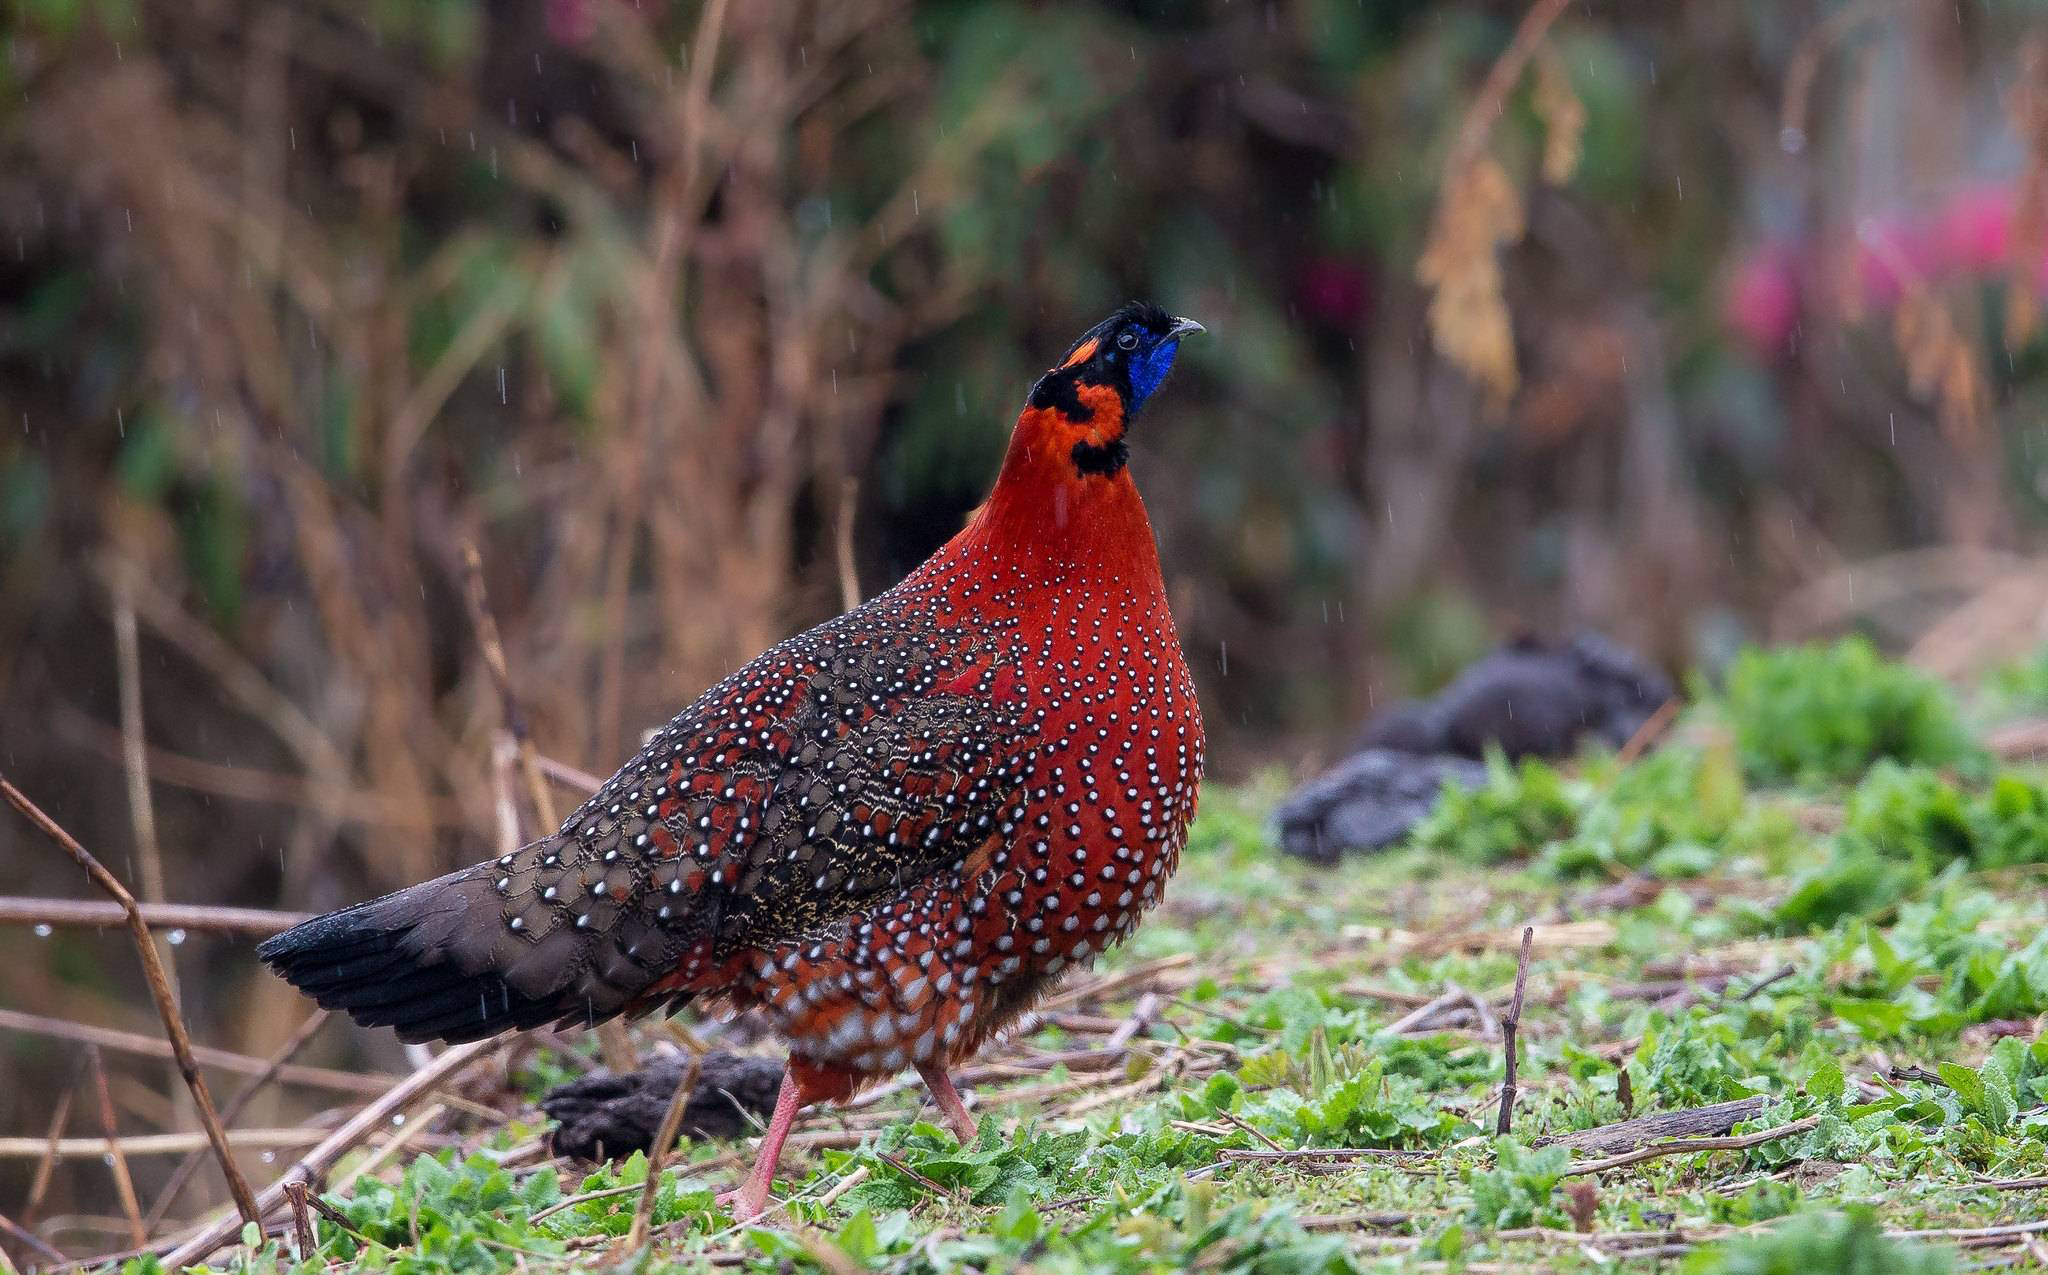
<point>2027,110</point>
<point>1941,365</point>
<point>1563,116</point>
<point>1478,211</point>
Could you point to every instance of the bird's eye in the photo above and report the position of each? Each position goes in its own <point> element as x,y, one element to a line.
<point>1127,341</point>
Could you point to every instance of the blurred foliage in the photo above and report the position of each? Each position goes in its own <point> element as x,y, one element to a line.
<point>1521,808</point>
<point>1902,826</point>
<point>1817,713</point>
<point>1851,1243</point>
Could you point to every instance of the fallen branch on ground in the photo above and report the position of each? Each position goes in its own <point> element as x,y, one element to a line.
<point>1689,1146</point>
<point>1691,1122</point>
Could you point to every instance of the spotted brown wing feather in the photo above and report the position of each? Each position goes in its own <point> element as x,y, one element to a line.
<point>843,765</point>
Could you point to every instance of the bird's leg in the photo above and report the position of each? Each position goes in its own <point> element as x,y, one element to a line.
<point>751,1196</point>
<point>948,1098</point>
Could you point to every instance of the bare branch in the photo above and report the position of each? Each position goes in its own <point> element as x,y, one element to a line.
<point>159,990</point>
<point>201,918</point>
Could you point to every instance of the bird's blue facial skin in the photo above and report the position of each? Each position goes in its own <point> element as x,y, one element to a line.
<point>1148,368</point>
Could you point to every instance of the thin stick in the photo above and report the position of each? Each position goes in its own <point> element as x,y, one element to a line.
<point>1418,1018</point>
<point>1141,1014</point>
<point>613,1042</point>
<point>336,1218</point>
<point>571,1201</point>
<point>896,1162</point>
<point>139,1145</point>
<point>149,862</point>
<point>569,776</point>
<point>29,1239</point>
<point>159,990</point>
<point>1501,79</point>
<point>504,796</point>
<point>124,1185</point>
<point>501,679</point>
<point>257,922</point>
<point>1967,1233</point>
<point>302,1218</point>
<point>47,1167</point>
<point>664,1139</point>
<point>414,1129</point>
<point>1782,973</point>
<point>849,576</point>
<point>1508,1027</point>
<point>233,1111</point>
<point>1648,733</point>
<point>844,1185</point>
<point>310,1167</point>
<point>136,1043</point>
<point>1252,1129</point>
<point>1687,1146</point>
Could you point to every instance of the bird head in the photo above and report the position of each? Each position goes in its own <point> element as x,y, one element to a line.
<point>1104,379</point>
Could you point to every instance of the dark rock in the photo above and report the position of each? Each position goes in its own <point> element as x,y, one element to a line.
<point>606,1116</point>
<point>1526,699</point>
<point>1367,801</point>
<point>1406,726</point>
<point>1530,700</point>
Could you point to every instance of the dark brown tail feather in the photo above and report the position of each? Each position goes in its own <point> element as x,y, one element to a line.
<point>436,962</point>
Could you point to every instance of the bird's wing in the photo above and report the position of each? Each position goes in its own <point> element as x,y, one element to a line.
<point>837,769</point>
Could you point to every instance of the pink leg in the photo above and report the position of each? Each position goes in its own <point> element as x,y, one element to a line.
<point>948,1098</point>
<point>747,1201</point>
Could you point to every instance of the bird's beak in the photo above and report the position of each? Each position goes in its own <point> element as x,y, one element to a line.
<point>1183,327</point>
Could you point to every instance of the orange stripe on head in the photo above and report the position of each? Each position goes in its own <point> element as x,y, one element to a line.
<point>1082,352</point>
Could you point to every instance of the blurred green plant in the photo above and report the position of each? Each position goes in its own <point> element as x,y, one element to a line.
<point>1902,826</point>
<point>1521,808</point>
<point>1826,713</point>
<point>1851,1243</point>
<point>1520,1188</point>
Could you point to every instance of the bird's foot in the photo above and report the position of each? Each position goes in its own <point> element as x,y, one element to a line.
<point>743,1202</point>
<point>963,1126</point>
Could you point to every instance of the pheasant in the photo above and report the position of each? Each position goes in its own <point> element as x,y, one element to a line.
<point>890,834</point>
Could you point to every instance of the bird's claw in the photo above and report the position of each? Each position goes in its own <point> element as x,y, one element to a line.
<point>740,1205</point>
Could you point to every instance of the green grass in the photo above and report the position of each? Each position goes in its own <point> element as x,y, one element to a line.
<point>1866,952</point>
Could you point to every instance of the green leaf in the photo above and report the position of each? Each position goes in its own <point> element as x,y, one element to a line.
<point>1965,1083</point>
<point>1827,1083</point>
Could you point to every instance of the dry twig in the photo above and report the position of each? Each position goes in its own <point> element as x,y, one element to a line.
<point>200,918</point>
<point>124,1184</point>
<point>302,1219</point>
<point>310,1167</point>
<point>135,1043</point>
<point>612,1039</point>
<point>159,990</point>
<point>664,1141</point>
<point>46,1168</point>
<point>29,1239</point>
<point>233,1111</point>
<point>1509,1025</point>
<point>1688,1146</point>
<point>149,862</point>
<point>138,1145</point>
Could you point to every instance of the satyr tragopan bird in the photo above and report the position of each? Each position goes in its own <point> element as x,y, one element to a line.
<point>890,834</point>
